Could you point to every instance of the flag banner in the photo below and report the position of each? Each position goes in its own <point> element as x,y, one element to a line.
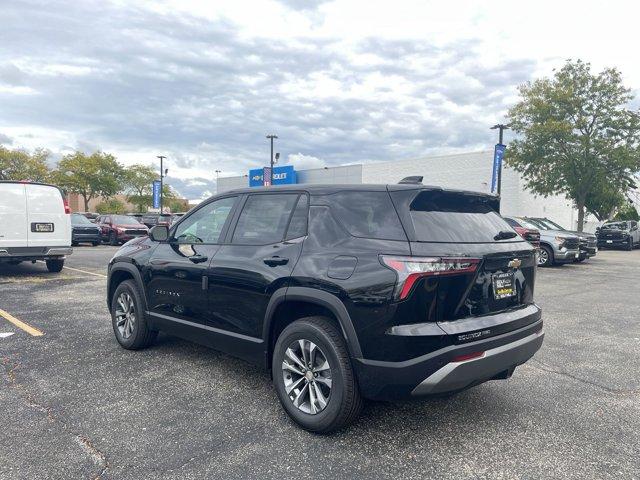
<point>156,194</point>
<point>498,153</point>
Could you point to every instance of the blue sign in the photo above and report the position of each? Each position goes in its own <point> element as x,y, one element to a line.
<point>497,166</point>
<point>156,194</point>
<point>285,175</point>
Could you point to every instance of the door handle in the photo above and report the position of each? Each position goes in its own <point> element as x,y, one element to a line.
<point>198,258</point>
<point>275,260</point>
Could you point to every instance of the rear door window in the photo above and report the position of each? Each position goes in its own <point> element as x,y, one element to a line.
<point>264,219</point>
<point>367,215</point>
<point>440,216</point>
<point>298,223</point>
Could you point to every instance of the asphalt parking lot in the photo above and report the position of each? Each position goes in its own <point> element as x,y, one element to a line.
<point>76,405</point>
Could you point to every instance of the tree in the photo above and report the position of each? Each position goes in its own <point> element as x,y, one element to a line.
<point>111,205</point>
<point>628,212</point>
<point>22,165</point>
<point>96,175</point>
<point>138,181</point>
<point>575,134</point>
<point>603,200</point>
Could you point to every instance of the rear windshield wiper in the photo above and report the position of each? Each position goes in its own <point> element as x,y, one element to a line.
<point>504,234</point>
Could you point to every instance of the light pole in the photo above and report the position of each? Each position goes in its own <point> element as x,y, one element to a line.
<point>162,172</point>
<point>271,137</point>
<point>217,173</point>
<point>501,127</point>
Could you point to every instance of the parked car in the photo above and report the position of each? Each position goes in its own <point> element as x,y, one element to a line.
<point>622,234</point>
<point>588,241</point>
<point>531,235</point>
<point>34,224</point>
<point>84,231</point>
<point>344,292</point>
<point>118,229</point>
<point>556,246</point>
<point>153,219</point>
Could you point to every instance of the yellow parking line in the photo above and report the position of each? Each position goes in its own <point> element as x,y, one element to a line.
<point>84,271</point>
<point>20,324</point>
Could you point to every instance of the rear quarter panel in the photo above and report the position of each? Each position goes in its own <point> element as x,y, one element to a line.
<point>13,215</point>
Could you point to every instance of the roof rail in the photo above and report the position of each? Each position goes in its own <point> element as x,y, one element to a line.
<point>412,180</point>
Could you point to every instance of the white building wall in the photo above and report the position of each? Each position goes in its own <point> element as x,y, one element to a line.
<point>472,171</point>
<point>231,183</point>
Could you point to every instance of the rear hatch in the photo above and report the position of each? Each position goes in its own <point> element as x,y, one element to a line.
<point>48,224</point>
<point>444,225</point>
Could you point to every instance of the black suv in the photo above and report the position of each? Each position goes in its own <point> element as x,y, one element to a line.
<point>343,292</point>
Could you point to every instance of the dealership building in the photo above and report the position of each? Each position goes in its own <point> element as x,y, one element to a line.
<point>465,171</point>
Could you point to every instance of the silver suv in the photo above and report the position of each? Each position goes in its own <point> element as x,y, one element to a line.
<point>556,246</point>
<point>588,241</point>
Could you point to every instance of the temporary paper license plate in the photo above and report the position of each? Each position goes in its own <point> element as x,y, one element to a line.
<point>503,285</point>
<point>42,227</point>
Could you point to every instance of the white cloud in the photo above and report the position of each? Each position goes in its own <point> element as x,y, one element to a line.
<point>302,162</point>
<point>341,81</point>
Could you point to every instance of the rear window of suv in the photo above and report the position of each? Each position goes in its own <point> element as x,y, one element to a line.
<point>439,216</point>
<point>367,215</point>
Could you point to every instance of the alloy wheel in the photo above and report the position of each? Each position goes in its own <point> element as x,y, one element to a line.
<point>307,376</point>
<point>125,315</point>
<point>543,257</point>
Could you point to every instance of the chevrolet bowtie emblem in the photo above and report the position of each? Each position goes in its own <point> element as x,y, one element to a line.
<point>515,263</point>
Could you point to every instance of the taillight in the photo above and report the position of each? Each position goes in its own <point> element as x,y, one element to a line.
<point>411,269</point>
<point>67,209</point>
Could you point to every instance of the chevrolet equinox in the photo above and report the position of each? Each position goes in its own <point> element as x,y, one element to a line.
<point>343,292</point>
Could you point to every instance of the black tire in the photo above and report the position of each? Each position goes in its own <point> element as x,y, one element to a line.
<point>113,240</point>
<point>95,244</point>
<point>141,336</point>
<point>546,258</point>
<point>55,265</point>
<point>581,259</point>
<point>344,403</point>
<point>629,245</point>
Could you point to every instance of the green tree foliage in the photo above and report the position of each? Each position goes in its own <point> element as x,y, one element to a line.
<point>138,181</point>
<point>628,212</point>
<point>90,176</point>
<point>111,205</point>
<point>604,200</point>
<point>577,137</point>
<point>22,165</point>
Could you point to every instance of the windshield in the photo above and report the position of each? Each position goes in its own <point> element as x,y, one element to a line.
<point>77,219</point>
<point>615,226</point>
<point>549,223</point>
<point>536,224</point>
<point>527,224</point>
<point>455,217</point>
<point>124,220</point>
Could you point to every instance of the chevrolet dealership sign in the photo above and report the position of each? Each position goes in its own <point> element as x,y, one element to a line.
<point>285,175</point>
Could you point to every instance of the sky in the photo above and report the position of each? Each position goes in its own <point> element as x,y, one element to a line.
<point>340,81</point>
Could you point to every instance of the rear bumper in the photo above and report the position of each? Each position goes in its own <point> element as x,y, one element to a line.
<point>437,373</point>
<point>10,254</point>
<point>455,376</point>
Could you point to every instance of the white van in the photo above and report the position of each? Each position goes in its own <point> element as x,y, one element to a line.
<point>34,224</point>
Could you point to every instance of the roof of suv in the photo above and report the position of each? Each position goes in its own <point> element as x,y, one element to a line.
<point>324,189</point>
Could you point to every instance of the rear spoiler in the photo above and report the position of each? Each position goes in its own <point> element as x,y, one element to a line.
<point>414,180</point>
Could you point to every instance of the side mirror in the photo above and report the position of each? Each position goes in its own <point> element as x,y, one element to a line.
<point>159,233</point>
